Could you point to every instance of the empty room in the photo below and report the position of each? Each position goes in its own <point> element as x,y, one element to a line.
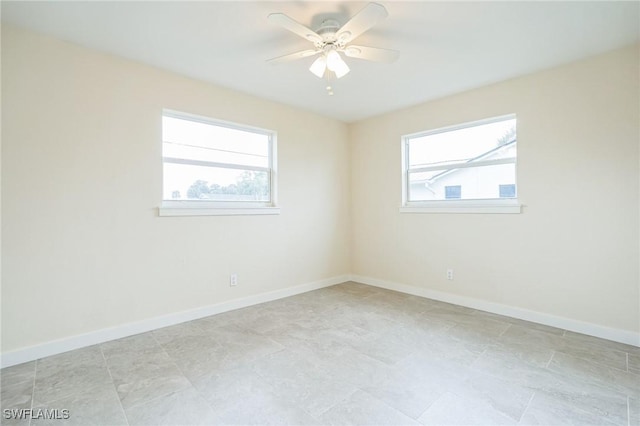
<point>320,213</point>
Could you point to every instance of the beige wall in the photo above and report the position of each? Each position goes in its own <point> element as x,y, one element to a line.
<point>83,246</point>
<point>573,252</point>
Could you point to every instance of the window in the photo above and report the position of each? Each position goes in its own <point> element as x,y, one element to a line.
<point>479,156</point>
<point>209,165</point>
<point>507,191</point>
<point>452,192</point>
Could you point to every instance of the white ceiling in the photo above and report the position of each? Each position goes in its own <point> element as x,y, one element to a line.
<point>445,47</point>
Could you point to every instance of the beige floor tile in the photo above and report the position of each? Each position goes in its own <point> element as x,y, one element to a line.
<point>139,380</point>
<point>131,347</point>
<point>407,394</point>
<point>239,396</point>
<point>185,407</point>
<point>532,336</point>
<point>452,409</point>
<point>298,377</point>
<point>608,344</point>
<point>20,373</point>
<point>357,368</point>
<point>617,380</point>
<point>607,356</point>
<point>502,396</point>
<point>633,363</point>
<point>346,354</point>
<point>363,409</point>
<point>15,398</point>
<point>634,411</point>
<point>68,374</point>
<point>98,405</point>
<point>544,410</point>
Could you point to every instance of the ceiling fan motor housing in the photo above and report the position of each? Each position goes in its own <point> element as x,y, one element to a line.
<point>328,31</point>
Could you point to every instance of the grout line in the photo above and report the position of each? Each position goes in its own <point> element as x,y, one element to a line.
<point>179,370</point>
<point>627,354</point>
<point>553,353</point>
<point>335,404</point>
<point>527,407</point>
<point>57,399</point>
<point>505,330</point>
<point>477,358</point>
<point>106,364</point>
<point>183,375</point>
<point>172,360</point>
<point>33,389</point>
<point>431,404</point>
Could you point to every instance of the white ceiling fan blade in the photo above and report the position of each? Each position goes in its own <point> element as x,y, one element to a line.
<point>294,26</point>
<point>361,22</point>
<point>371,53</point>
<point>294,56</point>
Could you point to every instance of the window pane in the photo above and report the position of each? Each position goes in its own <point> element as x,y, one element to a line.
<point>188,182</point>
<point>507,191</point>
<point>481,142</point>
<point>474,182</point>
<point>452,192</point>
<point>194,140</point>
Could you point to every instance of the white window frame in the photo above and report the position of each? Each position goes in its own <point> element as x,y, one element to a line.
<point>493,205</point>
<point>224,208</point>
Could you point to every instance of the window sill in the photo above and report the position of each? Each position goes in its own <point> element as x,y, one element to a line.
<point>464,206</point>
<point>186,208</point>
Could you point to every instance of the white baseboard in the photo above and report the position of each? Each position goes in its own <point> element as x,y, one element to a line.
<point>104,335</point>
<point>614,334</point>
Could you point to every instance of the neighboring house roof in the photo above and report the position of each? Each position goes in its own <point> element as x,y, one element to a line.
<point>482,156</point>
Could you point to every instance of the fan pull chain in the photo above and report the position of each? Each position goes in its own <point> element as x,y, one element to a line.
<point>329,87</point>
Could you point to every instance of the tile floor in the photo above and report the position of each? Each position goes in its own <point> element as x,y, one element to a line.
<point>347,354</point>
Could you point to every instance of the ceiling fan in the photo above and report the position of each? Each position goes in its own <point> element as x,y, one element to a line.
<point>331,39</point>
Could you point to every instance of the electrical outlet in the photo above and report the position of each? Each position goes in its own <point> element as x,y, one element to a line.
<point>450,274</point>
<point>233,280</point>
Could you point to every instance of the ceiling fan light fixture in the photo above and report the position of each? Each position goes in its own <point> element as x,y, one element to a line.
<point>333,60</point>
<point>336,64</point>
<point>342,70</point>
<point>319,66</point>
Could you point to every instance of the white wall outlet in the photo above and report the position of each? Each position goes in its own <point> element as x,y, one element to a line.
<point>450,274</point>
<point>233,280</point>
